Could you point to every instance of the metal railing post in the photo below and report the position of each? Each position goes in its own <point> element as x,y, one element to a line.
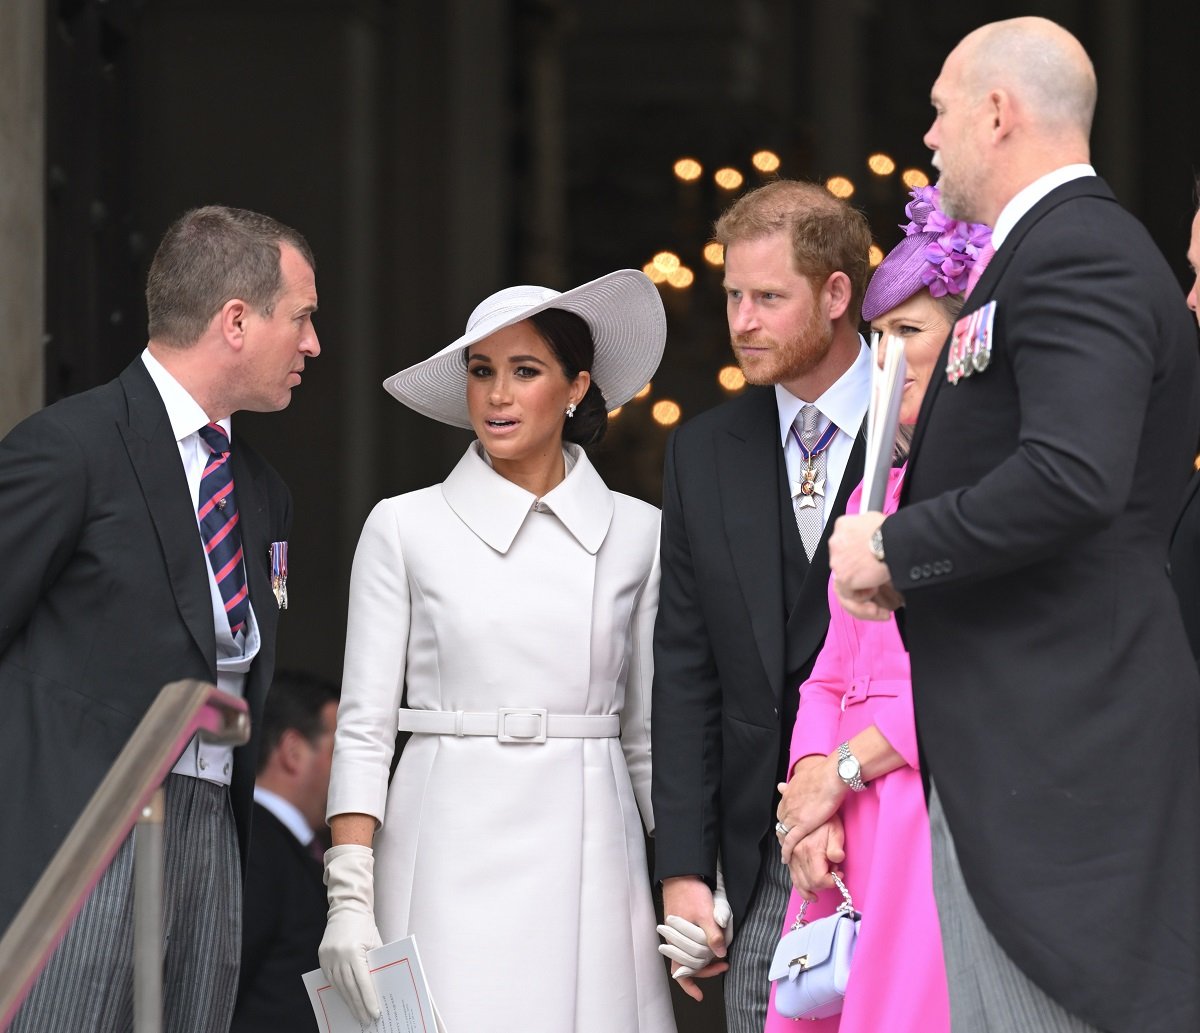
<point>147,916</point>
<point>181,709</point>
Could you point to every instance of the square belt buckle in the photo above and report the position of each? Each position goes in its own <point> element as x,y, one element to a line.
<point>528,724</point>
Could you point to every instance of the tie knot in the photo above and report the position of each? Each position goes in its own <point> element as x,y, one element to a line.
<point>215,438</point>
<point>810,418</point>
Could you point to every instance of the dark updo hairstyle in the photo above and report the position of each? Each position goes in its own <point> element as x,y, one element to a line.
<point>569,337</point>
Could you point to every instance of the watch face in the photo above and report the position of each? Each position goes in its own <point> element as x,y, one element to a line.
<point>847,768</point>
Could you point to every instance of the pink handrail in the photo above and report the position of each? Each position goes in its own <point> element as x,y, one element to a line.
<point>181,709</point>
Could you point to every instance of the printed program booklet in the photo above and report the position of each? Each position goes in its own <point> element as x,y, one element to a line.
<point>404,999</point>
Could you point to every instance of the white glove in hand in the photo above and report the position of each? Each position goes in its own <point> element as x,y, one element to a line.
<point>350,928</point>
<point>685,942</point>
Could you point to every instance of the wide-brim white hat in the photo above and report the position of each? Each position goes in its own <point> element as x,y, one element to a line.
<point>623,310</point>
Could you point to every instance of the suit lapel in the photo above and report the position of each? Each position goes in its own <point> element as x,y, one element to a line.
<point>983,290</point>
<point>155,457</point>
<point>748,490</point>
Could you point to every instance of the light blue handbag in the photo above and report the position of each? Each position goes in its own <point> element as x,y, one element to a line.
<point>811,964</point>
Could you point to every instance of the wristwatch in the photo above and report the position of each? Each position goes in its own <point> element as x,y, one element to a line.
<point>848,768</point>
<point>876,544</point>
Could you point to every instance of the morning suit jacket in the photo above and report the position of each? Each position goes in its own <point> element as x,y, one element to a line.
<point>106,598</point>
<point>725,652</point>
<point>283,920</point>
<point>1184,565</point>
<point>1056,698</point>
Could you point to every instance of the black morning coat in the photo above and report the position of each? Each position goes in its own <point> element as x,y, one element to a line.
<point>1055,694</point>
<point>742,615</point>
<point>105,599</point>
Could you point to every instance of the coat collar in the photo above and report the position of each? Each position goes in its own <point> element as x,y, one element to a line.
<point>495,508</point>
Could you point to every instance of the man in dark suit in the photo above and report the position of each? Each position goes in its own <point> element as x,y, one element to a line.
<point>1185,540</point>
<point>743,611</point>
<point>136,544</point>
<point>283,918</point>
<point>1055,695</point>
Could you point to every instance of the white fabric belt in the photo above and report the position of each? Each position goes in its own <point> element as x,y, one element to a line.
<point>511,724</point>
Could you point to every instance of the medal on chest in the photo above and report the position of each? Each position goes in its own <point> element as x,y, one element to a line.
<point>812,481</point>
<point>279,564</point>
<point>971,344</point>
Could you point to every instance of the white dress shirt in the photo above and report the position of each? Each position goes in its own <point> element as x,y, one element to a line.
<point>286,812</point>
<point>845,404</point>
<point>234,656</point>
<point>1023,200</point>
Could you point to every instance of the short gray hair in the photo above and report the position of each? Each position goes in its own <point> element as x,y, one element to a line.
<point>209,256</point>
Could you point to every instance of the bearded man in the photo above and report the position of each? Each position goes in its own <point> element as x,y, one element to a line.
<point>749,488</point>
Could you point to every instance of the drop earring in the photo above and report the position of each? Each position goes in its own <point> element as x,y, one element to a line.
<point>570,410</point>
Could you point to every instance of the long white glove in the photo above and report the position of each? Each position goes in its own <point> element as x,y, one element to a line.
<point>350,928</point>
<point>685,942</point>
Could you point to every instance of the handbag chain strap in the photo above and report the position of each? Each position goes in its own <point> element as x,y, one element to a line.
<point>846,907</point>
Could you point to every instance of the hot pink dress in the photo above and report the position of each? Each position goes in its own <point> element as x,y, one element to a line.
<point>861,678</point>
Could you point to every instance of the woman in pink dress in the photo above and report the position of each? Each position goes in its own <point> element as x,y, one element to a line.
<point>854,801</point>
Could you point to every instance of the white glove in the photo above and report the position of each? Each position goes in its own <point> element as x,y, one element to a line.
<point>350,928</point>
<point>685,942</point>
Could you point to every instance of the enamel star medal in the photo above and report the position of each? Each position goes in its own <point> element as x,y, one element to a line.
<point>812,482</point>
<point>811,485</point>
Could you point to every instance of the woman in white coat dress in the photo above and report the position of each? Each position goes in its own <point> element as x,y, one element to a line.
<point>504,617</point>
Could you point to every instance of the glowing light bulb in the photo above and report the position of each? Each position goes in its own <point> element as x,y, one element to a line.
<point>666,262</point>
<point>731,378</point>
<point>839,186</point>
<point>914,178</point>
<point>881,164</point>
<point>681,278</point>
<point>688,169</point>
<point>875,255</point>
<point>666,412</point>
<point>643,392</point>
<point>656,275</point>
<point>765,161</point>
<point>728,179</point>
<point>614,413</point>
<point>714,253</point>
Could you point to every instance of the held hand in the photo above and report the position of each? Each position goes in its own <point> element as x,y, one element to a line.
<point>350,928</point>
<point>815,856</point>
<point>694,940</point>
<point>868,604</point>
<point>808,800</point>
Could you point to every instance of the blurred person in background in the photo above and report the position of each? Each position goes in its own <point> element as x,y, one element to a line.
<point>283,914</point>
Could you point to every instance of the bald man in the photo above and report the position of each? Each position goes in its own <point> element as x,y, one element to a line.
<point>1056,697</point>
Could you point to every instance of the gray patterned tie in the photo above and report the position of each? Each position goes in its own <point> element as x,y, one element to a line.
<point>808,494</point>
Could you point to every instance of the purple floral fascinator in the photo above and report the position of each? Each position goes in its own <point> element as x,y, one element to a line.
<point>937,252</point>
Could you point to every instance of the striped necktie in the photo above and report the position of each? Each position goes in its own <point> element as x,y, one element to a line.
<point>218,515</point>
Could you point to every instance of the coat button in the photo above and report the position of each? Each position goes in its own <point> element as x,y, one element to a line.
<point>915,573</point>
<point>202,764</point>
<point>927,570</point>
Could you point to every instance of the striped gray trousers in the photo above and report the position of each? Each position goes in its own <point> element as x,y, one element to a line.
<point>87,986</point>
<point>988,993</point>
<point>747,988</point>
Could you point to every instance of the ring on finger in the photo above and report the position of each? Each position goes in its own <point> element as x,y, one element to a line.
<point>781,829</point>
